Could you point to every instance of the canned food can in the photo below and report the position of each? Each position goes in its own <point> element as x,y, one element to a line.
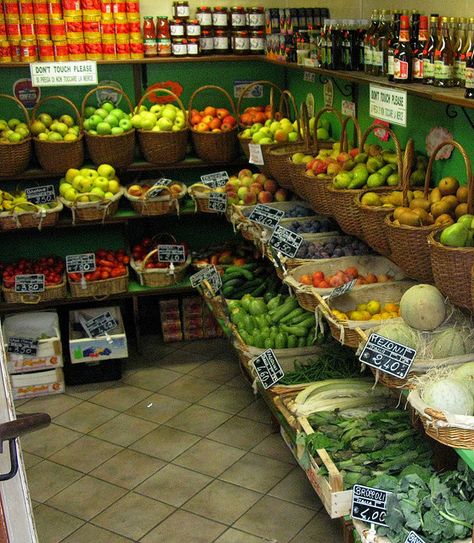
<point>134,27</point>
<point>123,51</point>
<point>28,51</point>
<point>90,5</point>
<point>12,27</point>
<point>15,50</point>
<point>91,26</point>
<point>76,49</point>
<point>55,10</point>
<point>40,10</point>
<point>109,50</point>
<point>94,50</point>
<point>11,8</point>
<point>121,28</point>
<point>106,6</point>
<point>133,7</point>
<point>119,8</point>
<point>137,49</point>
<point>72,6</point>
<point>107,28</point>
<point>26,8</point>
<point>27,28</point>
<point>5,52</point>
<point>42,28</point>
<point>46,51</point>
<point>3,31</point>
<point>61,50</point>
<point>57,29</point>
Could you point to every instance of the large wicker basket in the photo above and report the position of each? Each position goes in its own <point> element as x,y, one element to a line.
<point>159,277</point>
<point>114,150</point>
<point>15,157</point>
<point>215,146</point>
<point>99,289</point>
<point>200,197</point>
<point>162,204</point>
<point>39,217</point>
<point>93,211</point>
<point>59,156</point>
<point>164,147</point>
<point>55,292</point>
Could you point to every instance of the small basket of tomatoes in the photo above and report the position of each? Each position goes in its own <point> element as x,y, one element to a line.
<point>150,270</point>
<point>54,288</point>
<point>221,256</point>
<point>109,277</point>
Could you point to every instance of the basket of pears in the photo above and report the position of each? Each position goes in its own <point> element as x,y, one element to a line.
<point>15,141</point>
<point>16,211</point>
<point>421,213</point>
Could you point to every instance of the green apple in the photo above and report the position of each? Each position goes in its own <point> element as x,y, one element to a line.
<point>87,125</point>
<point>117,131</point>
<point>165,123</point>
<point>85,185</point>
<point>125,124</point>
<point>24,132</point>
<point>169,113</point>
<point>97,194</point>
<point>156,128</point>
<point>94,120</point>
<point>108,195</point>
<point>67,119</point>
<point>64,187</point>
<point>70,137</point>
<point>43,136</point>
<point>274,126</point>
<point>112,120</point>
<point>147,124</point>
<point>61,128</point>
<point>54,136</point>
<point>101,183</point>
<point>176,128</point>
<point>106,170</point>
<point>156,108</point>
<point>37,127</point>
<point>104,129</point>
<point>180,123</point>
<point>12,123</point>
<point>71,174</point>
<point>114,186</point>
<point>3,124</point>
<point>256,127</point>
<point>101,112</point>
<point>70,194</point>
<point>89,111</point>
<point>136,121</point>
<point>78,181</point>
<point>90,173</point>
<point>118,113</point>
<point>108,106</point>
<point>266,141</point>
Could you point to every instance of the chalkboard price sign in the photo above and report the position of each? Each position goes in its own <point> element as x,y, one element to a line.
<point>40,195</point>
<point>414,538</point>
<point>162,182</point>
<point>369,504</point>
<point>22,345</point>
<point>266,216</point>
<point>285,241</point>
<point>83,263</point>
<point>218,202</point>
<point>101,325</point>
<point>216,179</point>
<point>171,253</point>
<point>209,274</point>
<point>339,291</point>
<point>268,368</point>
<point>388,356</point>
<point>29,283</point>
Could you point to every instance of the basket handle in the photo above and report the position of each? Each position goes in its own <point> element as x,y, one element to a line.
<point>305,125</point>
<point>151,92</point>
<point>467,163</point>
<point>103,87</point>
<point>319,114</point>
<point>57,97</point>
<point>273,88</point>
<point>164,236</point>
<point>193,190</point>
<point>105,202</point>
<point>32,205</point>
<point>212,87</point>
<point>19,104</point>
<point>286,95</point>
<point>32,300</point>
<point>344,140</point>
<point>154,187</point>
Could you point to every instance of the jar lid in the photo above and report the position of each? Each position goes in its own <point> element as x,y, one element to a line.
<point>193,22</point>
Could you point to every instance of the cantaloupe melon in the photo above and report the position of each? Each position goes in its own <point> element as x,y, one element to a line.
<point>401,333</point>
<point>422,307</point>
<point>448,343</point>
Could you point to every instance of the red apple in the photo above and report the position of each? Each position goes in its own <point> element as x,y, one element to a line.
<point>265,197</point>
<point>245,173</point>
<point>250,198</point>
<point>256,187</point>
<point>281,195</point>
<point>342,157</point>
<point>354,152</point>
<point>271,186</point>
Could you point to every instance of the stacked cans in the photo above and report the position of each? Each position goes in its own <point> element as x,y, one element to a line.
<point>61,30</point>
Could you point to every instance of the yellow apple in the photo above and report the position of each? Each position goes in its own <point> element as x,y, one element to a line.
<point>114,186</point>
<point>71,174</point>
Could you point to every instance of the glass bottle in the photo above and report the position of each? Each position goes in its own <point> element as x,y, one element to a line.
<point>444,58</point>
<point>459,54</point>
<point>418,47</point>
<point>469,55</point>
<point>415,29</point>
<point>402,62</point>
<point>361,33</point>
<point>429,52</point>
<point>393,44</point>
<point>329,30</point>
<point>367,39</point>
<point>373,43</point>
<point>384,35</point>
<point>452,25</point>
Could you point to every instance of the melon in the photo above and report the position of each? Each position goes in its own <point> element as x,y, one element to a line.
<point>448,343</point>
<point>449,396</point>
<point>401,333</point>
<point>422,307</point>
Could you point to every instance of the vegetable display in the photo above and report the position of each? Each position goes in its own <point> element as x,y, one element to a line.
<point>254,279</point>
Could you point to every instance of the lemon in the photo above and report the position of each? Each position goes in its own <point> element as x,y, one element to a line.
<point>373,307</point>
<point>362,307</point>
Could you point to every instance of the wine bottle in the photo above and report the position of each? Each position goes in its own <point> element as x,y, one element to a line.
<point>402,61</point>
<point>429,52</point>
<point>444,58</point>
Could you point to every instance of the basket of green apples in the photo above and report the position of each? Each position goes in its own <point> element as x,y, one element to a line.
<point>108,130</point>
<point>15,142</point>
<point>58,141</point>
<point>162,128</point>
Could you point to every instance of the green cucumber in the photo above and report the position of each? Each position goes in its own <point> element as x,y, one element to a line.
<point>237,282</point>
<point>259,290</point>
<point>274,302</point>
<point>308,322</point>
<point>301,342</point>
<point>295,313</point>
<point>231,276</point>
<point>250,266</point>
<point>287,307</point>
<point>269,343</point>
<point>281,341</point>
<point>292,341</point>
<point>301,318</point>
<point>299,331</point>
<point>239,270</point>
<point>309,340</point>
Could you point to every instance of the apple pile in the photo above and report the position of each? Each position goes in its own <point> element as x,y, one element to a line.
<point>272,131</point>
<point>106,120</point>
<point>247,188</point>
<point>140,190</point>
<point>108,265</point>
<point>51,266</point>
<point>89,184</point>
<point>145,246</point>
<point>255,114</point>
<point>47,128</point>
<point>318,280</point>
<point>13,131</point>
<point>212,119</point>
<point>159,118</point>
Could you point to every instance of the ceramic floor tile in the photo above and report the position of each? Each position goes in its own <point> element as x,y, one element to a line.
<point>274,447</point>
<point>165,443</point>
<point>48,440</point>
<point>133,515</point>
<point>216,370</point>
<point>256,472</point>
<point>54,405</point>
<point>257,411</point>
<point>183,527</point>
<point>173,485</point>
<point>189,388</point>
<point>85,417</point>
<point>120,397</point>
<point>86,391</point>
<point>209,457</point>
<point>320,528</point>
<point>274,519</point>
<point>85,454</point>
<point>88,533</point>
<point>222,502</point>
<point>239,381</point>
<point>47,479</point>
<point>123,429</point>
<point>198,420</point>
<point>296,488</point>
<point>236,536</point>
<point>228,399</point>
<point>53,525</point>
<point>87,497</point>
<point>207,347</point>
<point>152,378</point>
<point>183,361</point>
<point>158,408</point>
<point>240,432</point>
<point>30,460</point>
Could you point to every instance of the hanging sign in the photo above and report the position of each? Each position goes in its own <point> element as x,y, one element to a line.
<point>256,155</point>
<point>388,105</point>
<point>285,241</point>
<point>100,325</point>
<point>209,274</point>
<point>369,504</point>
<point>339,291</point>
<point>309,77</point>
<point>29,283</point>
<point>22,345</point>
<point>254,92</point>
<point>40,195</point>
<point>28,95</point>
<point>266,216</point>
<point>328,93</point>
<point>218,202</point>
<point>83,263</point>
<point>348,108</point>
<point>70,73</point>
<point>216,179</point>
<point>171,253</point>
<point>268,368</point>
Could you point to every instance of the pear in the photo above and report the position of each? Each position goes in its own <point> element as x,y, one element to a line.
<point>448,185</point>
<point>435,195</point>
<point>421,203</point>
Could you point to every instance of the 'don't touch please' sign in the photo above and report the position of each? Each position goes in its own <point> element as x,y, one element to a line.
<point>50,74</point>
<point>388,105</point>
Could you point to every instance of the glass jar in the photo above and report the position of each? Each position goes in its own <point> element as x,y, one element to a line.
<point>181,10</point>
<point>177,28</point>
<point>221,41</point>
<point>204,16</point>
<point>206,41</point>
<point>256,18</point>
<point>194,48</point>
<point>241,42</point>
<point>164,47</point>
<point>238,18</point>
<point>162,28</point>
<point>193,28</point>
<point>179,47</point>
<point>220,17</point>
<point>257,42</point>
<point>150,46</point>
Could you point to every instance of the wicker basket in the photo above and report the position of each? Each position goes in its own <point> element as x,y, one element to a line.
<point>215,146</point>
<point>452,266</point>
<point>114,150</point>
<point>99,289</point>
<point>163,204</point>
<point>59,156</point>
<point>39,217</point>
<point>93,211</point>
<point>55,292</point>
<point>15,157</point>
<point>164,147</point>
<point>201,199</point>
<point>159,277</point>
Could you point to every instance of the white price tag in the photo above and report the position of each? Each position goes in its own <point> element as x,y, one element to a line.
<point>218,202</point>
<point>40,195</point>
<point>83,263</point>
<point>256,156</point>
<point>309,77</point>
<point>53,74</point>
<point>348,108</point>
<point>328,93</point>
<point>268,368</point>
<point>214,180</point>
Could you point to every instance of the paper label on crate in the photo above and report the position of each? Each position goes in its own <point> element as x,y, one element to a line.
<point>40,195</point>
<point>268,368</point>
<point>343,289</point>
<point>369,504</point>
<point>218,202</point>
<point>266,216</point>
<point>309,77</point>
<point>414,538</point>
<point>256,155</point>
<point>216,179</point>
<point>171,253</point>
<point>52,74</point>
<point>29,283</point>
<point>285,241</point>
<point>22,345</point>
<point>83,263</point>
<point>348,108</point>
<point>101,325</point>
<point>388,356</point>
<point>209,274</point>
<point>388,105</point>
<point>162,182</point>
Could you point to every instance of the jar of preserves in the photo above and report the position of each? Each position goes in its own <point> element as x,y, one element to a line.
<point>256,18</point>
<point>193,28</point>
<point>221,41</point>
<point>164,47</point>
<point>150,47</point>
<point>179,47</point>
<point>177,28</point>
<point>194,48</point>
<point>206,41</point>
<point>238,17</point>
<point>220,17</point>
<point>204,16</point>
<point>240,42</point>
<point>257,42</point>
<point>181,10</point>
<point>162,28</point>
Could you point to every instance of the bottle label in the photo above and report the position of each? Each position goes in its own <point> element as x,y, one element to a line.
<point>469,78</point>
<point>377,58</point>
<point>179,49</point>
<point>368,55</point>
<point>257,44</point>
<point>193,49</point>
<point>221,43</point>
<point>390,64</point>
<point>417,68</point>
<point>238,19</point>
<point>428,68</point>
<point>204,18</point>
<point>207,44</point>
<point>460,69</point>
<point>400,69</point>
<point>219,19</point>
<point>442,71</point>
<point>182,12</point>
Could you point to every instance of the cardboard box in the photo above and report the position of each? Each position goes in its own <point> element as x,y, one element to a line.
<point>38,383</point>
<point>86,349</point>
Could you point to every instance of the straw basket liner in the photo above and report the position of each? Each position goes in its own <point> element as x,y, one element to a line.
<point>201,199</point>
<point>114,150</point>
<point>215,146</point>
<point>159,277</point>
<point>55,292</point>
<point>409,246</point>
<point>39,217</point>
<point>452,266</point>
<point>100,288</point>
<point>163,204</point>
<point>306,294</point>
<point>93,211</point>
<point>164,147</point>
<point>59,156</point>
<point>15,157</point>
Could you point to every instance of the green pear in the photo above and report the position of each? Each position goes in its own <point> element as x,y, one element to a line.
<point>360,158</point>
<point>466,220</point>
<point>456,235</point>
<point>375,180</point>
<point>393,179</point>
<point>374,164</point>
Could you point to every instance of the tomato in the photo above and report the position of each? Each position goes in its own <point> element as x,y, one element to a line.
<point>105,275</point>
<point>126,259</point>
<point>318,277</point>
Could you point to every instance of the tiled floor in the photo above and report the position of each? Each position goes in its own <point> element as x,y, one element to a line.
<point>179,451</point>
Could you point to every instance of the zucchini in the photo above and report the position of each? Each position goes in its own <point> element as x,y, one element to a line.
<point>299,331</point>
<point>301,318</point>
<point>292,341</point>
<point>309,340</point>
<point>239,270</point>
<point>237,282</point>
<point>308,322</point>
<point>301,342</point>
<point>281,341</point>
<point>274,302</point>
<point>250,266</point>
<point>295,313</point>
<point>287,307</point>
<point>231,276</point>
